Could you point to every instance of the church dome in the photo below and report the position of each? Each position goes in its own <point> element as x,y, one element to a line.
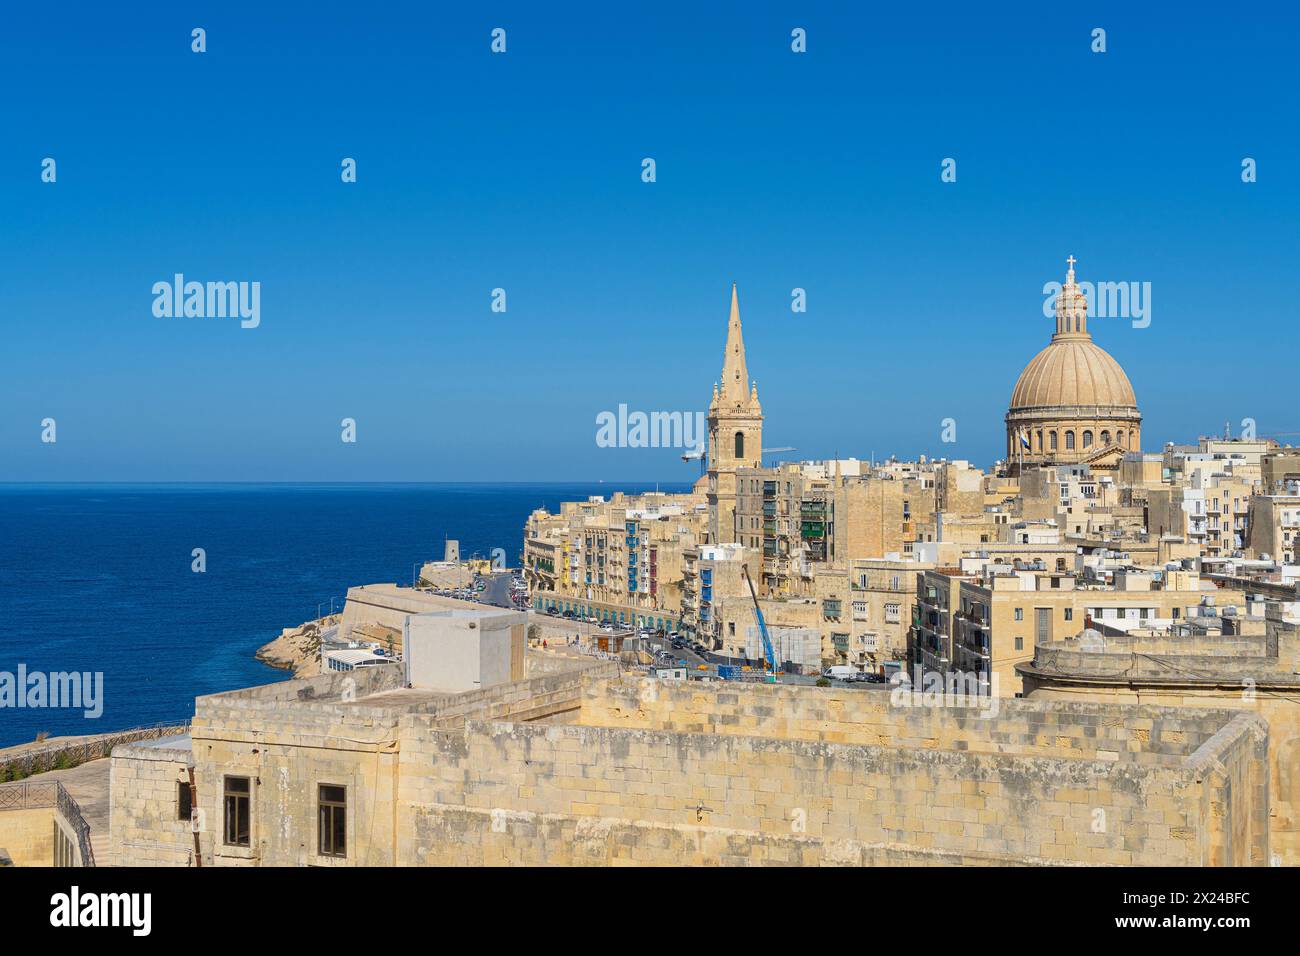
<point>1072,403</point>
<point>1072,372</point>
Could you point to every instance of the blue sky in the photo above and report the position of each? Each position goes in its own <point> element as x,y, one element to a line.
<point>522,171</point>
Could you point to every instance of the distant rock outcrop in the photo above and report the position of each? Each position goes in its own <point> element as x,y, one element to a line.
<point>297,648</point>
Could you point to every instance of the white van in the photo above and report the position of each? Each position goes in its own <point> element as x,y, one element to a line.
<point>840,672</point>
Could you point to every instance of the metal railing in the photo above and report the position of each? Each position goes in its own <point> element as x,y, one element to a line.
<point>51,794</point>
<point>60,755</point>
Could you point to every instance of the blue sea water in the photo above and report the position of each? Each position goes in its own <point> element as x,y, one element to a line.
<point>98,577</point>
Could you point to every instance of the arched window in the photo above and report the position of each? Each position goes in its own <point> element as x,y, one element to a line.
<point>1119,437</point>
<point>1087,439</point>
<point>1040,439</point>
<point>1069,441</point>
<point>1051,438</point>
<point>740,445</point>
<point>1105,437</point>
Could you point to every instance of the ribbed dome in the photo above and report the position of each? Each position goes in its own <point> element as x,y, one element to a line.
<point>1072,371</point>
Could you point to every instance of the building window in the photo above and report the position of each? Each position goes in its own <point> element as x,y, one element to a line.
<point>1020,643</point>
<point>63,855</point>
<point>1069,441</point>
<point>1087,439</point>
<point>1020,614</point>
<point>740,445</point>
<point>1069,614</point>
<point>237,793</point>
<point>1051,437</point>
<point>891,613</point>
<point>332,828</point>
<point>1119,437</point>
<point>1105,437</point>
<point>183,806</point>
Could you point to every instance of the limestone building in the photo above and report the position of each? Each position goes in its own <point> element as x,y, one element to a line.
<point>618,559</point>
<point>1274,527</point>
<point>882,595</point>
<point>985,618</point>
<point>1073,402</point>
<point>579,765</point>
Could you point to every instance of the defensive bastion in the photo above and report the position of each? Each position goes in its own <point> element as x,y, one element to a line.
<point>580,765</point>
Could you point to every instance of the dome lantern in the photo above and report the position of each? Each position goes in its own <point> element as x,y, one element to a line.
<point>1073,402</point>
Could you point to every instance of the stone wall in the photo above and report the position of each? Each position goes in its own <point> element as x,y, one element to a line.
<point>26,760</point>
<point>1277,707</point>
<point>30,815</point>
<point>1038,783</point>
<point>144,828</point>
<point>28,836</point>
<point>897,719</point>
<point>582,766</point>
<point>1151,672</point>
<point>345,730</point>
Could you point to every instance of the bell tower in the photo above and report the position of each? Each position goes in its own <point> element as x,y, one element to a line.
<point>735,430</point>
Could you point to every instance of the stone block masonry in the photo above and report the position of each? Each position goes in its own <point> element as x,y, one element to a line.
<point>707,775</point>
<point>579,765</point>
<point>144,821</point>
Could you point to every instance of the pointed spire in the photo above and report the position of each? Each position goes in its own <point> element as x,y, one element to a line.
<point>735,374</point>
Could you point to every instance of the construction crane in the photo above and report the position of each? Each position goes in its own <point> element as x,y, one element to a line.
<point>770,668</point>
<point>772,451</point>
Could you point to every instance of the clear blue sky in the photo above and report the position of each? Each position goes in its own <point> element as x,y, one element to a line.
<point>522,171</point>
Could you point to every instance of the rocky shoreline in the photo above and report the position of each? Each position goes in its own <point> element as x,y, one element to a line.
<point>297,649</point>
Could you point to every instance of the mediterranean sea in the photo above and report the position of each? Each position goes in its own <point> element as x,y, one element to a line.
<point>98,579</point>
